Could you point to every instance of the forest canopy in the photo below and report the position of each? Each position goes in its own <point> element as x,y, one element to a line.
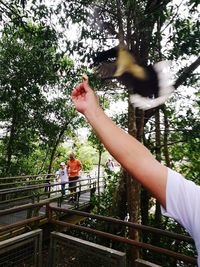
<point>46,46</point>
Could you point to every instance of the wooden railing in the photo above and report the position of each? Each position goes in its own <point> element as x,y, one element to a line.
<point>34,199</point>
<point>51,216</point>
<point>125,240</point>
<point>30,189</point>
<point>23,200</point>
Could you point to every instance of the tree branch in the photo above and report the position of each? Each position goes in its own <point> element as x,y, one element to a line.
<point>120,22</point>
<point>10,9</point>
<point>186,72</point>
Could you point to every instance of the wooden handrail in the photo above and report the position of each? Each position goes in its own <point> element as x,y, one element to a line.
<point>138,244</point>
<point>125,223</point>
<point>50,218</point>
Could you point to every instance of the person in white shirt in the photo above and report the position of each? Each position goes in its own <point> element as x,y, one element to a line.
<point>110,165</point>
<point>180,198</point>
<point>63,176</point>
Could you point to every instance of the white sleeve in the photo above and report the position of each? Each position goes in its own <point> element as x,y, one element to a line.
<point>183,203</point>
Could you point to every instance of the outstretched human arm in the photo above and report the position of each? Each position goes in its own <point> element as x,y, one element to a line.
<point>132,155</point>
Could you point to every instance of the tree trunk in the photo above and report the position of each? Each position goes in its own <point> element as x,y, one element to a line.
<point>145,197</point>
<point>99,170</point>
<point>119,208</point>
<point>98,178</point>
<point>133,189</point>
<point>166,134</point>
<point>158,216</point>
<point>53,152</point>
<point>10,144</point>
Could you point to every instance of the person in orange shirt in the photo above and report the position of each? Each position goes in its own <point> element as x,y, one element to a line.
<point>74,167</point>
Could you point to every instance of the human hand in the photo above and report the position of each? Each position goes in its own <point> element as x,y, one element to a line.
<point>84,97</point>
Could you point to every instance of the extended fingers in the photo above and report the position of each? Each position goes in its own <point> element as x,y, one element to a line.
<point>78,90</point>
<point>82,88</point>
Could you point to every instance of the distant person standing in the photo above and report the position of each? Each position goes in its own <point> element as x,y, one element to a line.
<point>63,176</point>
<point>110,165</point>
<point>57,181</point>
<point>74,167</point>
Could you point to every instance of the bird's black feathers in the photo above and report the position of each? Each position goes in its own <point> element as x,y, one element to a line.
<point>150,85</point>
<point>107,55</point>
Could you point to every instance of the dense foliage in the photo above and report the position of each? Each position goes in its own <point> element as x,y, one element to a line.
<point>39,39</point>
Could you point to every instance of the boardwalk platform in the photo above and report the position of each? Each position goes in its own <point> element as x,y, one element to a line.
<point>64,203</point>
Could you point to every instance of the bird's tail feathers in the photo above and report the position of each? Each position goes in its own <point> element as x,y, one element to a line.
<point>145,103</point>
<point>165,82</point>
<point>165,85</point>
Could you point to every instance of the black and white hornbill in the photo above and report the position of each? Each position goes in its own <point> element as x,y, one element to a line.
<point>150,85</point>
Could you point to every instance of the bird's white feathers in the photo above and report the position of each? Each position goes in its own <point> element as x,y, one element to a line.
<point>165,88</point>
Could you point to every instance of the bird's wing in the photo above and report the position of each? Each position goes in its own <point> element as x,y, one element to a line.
<point>106,70</point>
<point>107,55</point>
<point>125,63</point>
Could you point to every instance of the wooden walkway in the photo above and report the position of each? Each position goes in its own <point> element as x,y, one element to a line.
<point>84,200</point>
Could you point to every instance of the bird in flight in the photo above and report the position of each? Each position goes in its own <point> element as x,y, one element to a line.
<point>150,86</point>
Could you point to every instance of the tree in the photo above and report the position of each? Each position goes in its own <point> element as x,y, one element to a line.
<point>32,70</point>
<point>100,148</point>
<point>143,26</point>
<point>153,31</point>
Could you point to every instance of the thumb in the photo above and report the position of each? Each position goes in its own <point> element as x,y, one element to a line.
<point>86,83</point>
